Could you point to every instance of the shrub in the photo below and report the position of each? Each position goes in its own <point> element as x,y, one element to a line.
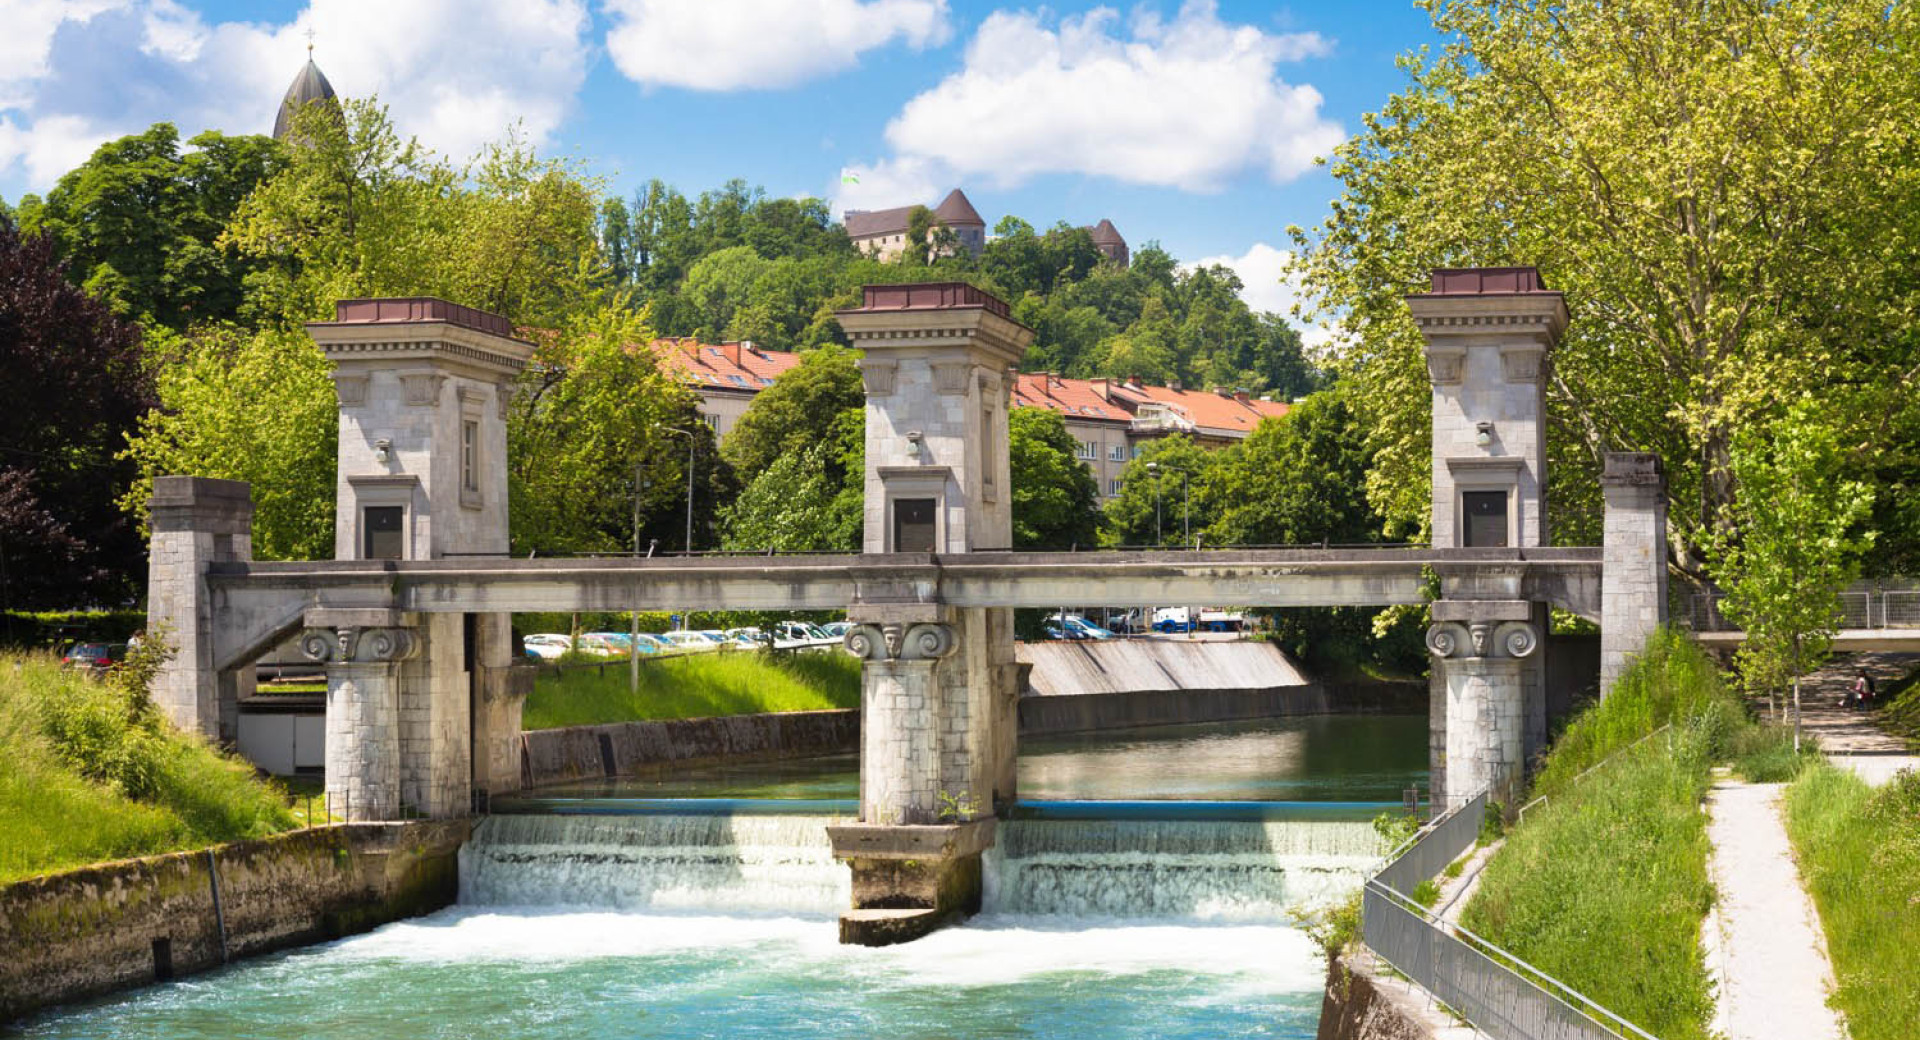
<point>1765,755</point>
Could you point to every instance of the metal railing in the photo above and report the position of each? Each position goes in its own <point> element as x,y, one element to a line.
<point>1492,989</point>
<point>1872,604</point>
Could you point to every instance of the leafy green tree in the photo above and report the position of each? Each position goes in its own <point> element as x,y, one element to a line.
<point>1724,197</point>
<point>74,385</point>
<point>1156,506</point>
<point>811,499</point>
<point>1055,496</point>
<point>1794,543</point>
<point>797,412</point>
<point>1299,479</point>
<point>252,406</point>
<point>139,222</point>
<point>587,445</point>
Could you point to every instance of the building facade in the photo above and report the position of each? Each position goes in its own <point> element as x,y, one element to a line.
<point>882,233</point>
<point>1108,419</point>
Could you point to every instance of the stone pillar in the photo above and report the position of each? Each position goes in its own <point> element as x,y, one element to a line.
<point>939,721</point>
<point>1480,667</point>
<point>424,387</point>
<point>366,746</point>
<point>1633,579</point>
<point>196,522</point>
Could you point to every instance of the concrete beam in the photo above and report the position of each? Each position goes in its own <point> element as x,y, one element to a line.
<point>1568,578</point>
<point>1847,640</point>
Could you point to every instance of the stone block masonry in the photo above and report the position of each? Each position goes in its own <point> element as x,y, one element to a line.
<point>114,926</point>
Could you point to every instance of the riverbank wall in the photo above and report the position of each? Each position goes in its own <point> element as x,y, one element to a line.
<point>1361,1005</point>
<point>113,926</point>
<point>571,753</point>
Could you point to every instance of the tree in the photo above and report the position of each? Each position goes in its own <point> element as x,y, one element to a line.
<point>74,385</point>
<point>1298,480</point>
<point>586,436</point>
<point>797,412</point>
<point>1793,544</point>
<point>1155,506</point>
<point>1055,496</point>
<point>139,222</point>
<point>1724,197</point>
<point>808,500</point>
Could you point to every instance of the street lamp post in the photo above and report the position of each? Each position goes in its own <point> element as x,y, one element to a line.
<point>1154,469</point>
<point>686,617</point>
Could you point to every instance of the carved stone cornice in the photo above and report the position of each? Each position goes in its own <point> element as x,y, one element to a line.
<point>1480,639</point>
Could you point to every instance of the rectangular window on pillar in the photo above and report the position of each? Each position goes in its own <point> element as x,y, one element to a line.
<point>384,533</point>
<point>913,525</point>
<point>469,444</point>
<point>1486,519</point>
<point>986,444</point>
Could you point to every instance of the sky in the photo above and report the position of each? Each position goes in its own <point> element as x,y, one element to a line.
<point>1192,124</point>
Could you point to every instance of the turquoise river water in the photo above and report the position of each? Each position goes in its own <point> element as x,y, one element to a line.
<point>723,926</point>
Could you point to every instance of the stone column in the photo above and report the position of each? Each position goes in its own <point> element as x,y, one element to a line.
<point>196,522</point>
<point>1481,667</point>
<point>915,854</point>
<point>1633,579</point>
<point>366,665</point>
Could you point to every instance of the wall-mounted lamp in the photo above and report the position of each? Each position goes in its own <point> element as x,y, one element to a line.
<point>382,451</point>
<point>915,446</point>
<point>1483,434</point>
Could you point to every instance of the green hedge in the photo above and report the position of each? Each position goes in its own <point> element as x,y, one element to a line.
<point>56,629</point>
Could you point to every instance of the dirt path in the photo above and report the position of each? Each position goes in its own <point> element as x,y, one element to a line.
<point>1771,957</point>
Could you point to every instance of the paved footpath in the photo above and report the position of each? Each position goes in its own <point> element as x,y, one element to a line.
<point>1771,957</point>
<point>1850,739</point>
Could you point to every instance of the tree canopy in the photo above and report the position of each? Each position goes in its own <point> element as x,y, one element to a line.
<point>74,382</point>
<point>1726,194</point>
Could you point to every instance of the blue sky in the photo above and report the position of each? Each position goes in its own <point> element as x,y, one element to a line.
<point>1193,124</point>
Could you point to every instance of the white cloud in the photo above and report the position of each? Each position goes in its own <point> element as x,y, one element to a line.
<point>27,38</point>
<point>749,44</point>
<point>50,147</point>
<point>1187,103</point>
<point>888,183</point>
<point>1268,285</point>
<point>456,73</point>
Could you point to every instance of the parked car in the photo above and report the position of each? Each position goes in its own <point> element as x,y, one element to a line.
<point>687,642</point>
<point>94,656</point>
<point>547,646</point>
<point>837,629</point>
<point>1080,627</point>
<point>625,644</point>
<point>1172,619</point>
<point>1222,621</point>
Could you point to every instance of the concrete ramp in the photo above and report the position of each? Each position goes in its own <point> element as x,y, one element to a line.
<point>1135,665</point>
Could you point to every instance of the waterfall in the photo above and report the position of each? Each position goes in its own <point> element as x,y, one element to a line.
<point>732,863</point>
<point>1142,868</point>
<point>1221,870</point>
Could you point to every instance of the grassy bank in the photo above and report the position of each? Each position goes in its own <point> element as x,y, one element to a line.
<point>1859,854</point>
<point>1899,712</point>
<point>732,683</point>
<point>1605,885</point>
<point>92,773</point>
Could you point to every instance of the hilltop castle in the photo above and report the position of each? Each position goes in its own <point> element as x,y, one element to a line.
<point>882,233</point>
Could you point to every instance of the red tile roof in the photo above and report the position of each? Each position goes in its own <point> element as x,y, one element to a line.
<point>1225,413</point>
<point>1075,398</point>
<point>740,367</point>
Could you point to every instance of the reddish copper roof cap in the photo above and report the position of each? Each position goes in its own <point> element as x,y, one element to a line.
<point>400,310</point>
<point>930,296</point>
<point>1465,281</point>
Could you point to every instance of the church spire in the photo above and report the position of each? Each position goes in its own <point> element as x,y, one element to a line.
<point>309,86</point>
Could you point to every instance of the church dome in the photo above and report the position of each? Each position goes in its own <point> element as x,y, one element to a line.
<point>309,86</point>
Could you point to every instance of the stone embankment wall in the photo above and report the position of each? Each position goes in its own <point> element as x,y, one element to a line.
<point>1081,686</point>
<point>553,756</point>
<point>1360,1005</point>
<point>117,925</point>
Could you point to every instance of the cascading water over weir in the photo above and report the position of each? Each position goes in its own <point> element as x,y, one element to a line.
<point>1214,870</point>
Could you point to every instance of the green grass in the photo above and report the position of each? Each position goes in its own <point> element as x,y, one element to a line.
<point>730,683</point>
<point>93,773</point>
<point>1859,854</point>
<point>1605,885</point>
<point>1899,709</point>
<point>1764,754</point>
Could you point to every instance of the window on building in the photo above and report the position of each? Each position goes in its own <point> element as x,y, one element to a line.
<point>1114,486</point>
<point>383,534</point>
<point>1088,450</point>
<point>1118,453</point>
<point>712,422</point>
<point>1486,521</point>
<point>913,527</point>
<point>469,452</point>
